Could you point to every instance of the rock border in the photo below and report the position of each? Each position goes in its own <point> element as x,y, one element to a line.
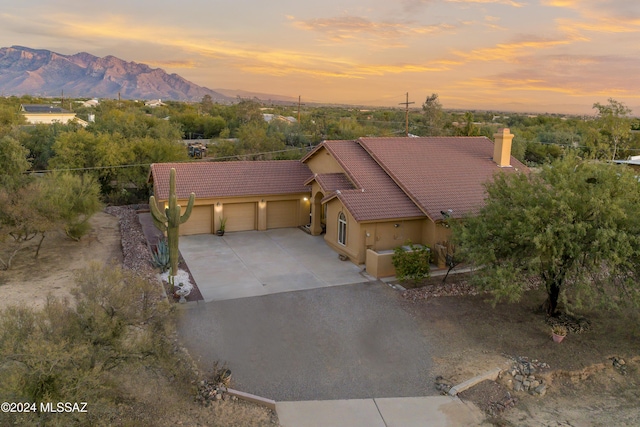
<point>490,375</point>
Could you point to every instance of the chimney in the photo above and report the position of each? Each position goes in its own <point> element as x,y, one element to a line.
<point>502,148</point>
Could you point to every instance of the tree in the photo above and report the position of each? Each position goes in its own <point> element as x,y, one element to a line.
<point>24,216</point>
<point>13,162</point>
<point>574,226</point>
<point>73,351</point>
<point>433,115</point>
<point>71,200</point>
<point>615,126</point>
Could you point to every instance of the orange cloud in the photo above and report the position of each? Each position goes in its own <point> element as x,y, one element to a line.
<point>172,64</point>
<point>602,25</point>
<point>507,2</point>
<point>571,75</point>
<point>571,4</point>
<point>509,52</point>
<point>346,28</point>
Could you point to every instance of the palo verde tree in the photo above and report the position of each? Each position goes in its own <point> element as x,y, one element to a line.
<point>574,226</point>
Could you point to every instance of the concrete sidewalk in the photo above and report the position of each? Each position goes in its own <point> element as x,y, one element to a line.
<point>429,411</point>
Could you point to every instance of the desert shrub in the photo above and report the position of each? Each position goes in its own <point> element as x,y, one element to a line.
<point>411,262</point>
<point>160,256</point>
<point>74,352</point>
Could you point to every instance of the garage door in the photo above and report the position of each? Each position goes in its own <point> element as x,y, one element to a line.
<point>240,216</point>
<point>199,222</point>
<point>282,214</point>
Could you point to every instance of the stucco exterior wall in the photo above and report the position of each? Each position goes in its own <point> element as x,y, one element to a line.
<point>49,118</point>
<point>434,233</point>
<point>354,248</point>
<point>323,162</point>
<point>391,234</point>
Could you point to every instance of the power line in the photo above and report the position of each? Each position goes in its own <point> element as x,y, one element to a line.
<point>209,159</point>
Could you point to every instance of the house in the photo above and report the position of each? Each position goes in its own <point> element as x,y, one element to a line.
<point>155,103</point>
<point>49,114</point>
<point>633,162</point>
<point>367,196</point>
<point>91,103</point>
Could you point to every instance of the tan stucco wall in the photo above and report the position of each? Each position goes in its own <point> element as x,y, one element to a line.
<point>380,264</point>
<point>385,235</point>
<point>323,162</point>
<point>434,233</point>
<point>49,118</point>
<point>354,247</point>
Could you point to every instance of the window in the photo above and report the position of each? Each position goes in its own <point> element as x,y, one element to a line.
<point>342,229</point>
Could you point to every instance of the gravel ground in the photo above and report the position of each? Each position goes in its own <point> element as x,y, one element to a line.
<point>135,251</point>
<point>135,248</point>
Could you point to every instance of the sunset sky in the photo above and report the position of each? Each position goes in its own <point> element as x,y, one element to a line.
<point>526,55</point>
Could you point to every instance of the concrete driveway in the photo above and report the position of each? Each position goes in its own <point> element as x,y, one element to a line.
<point>342,342</point>
<point>254,263</point>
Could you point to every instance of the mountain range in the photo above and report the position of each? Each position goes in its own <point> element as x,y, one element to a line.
<point>40,72</point>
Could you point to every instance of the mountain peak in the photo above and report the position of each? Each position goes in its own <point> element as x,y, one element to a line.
<point>41,72</point>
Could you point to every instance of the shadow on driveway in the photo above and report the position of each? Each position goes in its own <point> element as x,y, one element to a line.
<point>342,342</point>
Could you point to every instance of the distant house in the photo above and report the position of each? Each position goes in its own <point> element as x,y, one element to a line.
<point>633,162</point>
<point>49,114</point>
<point>367,196</point>
<point>91,103</point>
<point>154,103</point>
<point>271,117</point>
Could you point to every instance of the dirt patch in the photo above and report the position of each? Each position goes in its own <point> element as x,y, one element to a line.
<point>31,279</point>
<point>151,397</point>
<point>471,337</point>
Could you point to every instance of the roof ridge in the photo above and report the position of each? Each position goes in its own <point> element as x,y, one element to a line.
<point>395,179</point>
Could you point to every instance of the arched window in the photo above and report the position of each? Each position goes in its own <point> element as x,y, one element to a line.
<point>342,229</point>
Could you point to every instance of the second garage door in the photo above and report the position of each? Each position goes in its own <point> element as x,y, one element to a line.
<point>199,222</point>
<point>240,216</point>
<point>282,214</point>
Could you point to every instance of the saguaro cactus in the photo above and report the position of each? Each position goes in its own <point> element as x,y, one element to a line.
<point>169,221</point>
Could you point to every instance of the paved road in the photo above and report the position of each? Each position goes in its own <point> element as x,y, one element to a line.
<point>343,342</point>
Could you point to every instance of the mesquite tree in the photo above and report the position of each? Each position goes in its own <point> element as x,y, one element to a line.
<point>574,226</point>
<point>169,221</point>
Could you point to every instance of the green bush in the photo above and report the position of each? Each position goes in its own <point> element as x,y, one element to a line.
<point>77,352</point>
<point>411,263</point>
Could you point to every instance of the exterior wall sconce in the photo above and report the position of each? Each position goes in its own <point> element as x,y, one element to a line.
<point>218,204</point>
<point>262,201</point>
<point>396,225</point>
<point>305,199</point>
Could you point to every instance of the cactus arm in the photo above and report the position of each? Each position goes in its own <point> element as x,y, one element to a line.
<point>159,219</point>
<point>187,213</point>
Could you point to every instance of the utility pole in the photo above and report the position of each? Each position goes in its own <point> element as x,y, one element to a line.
<point>299,104</point>
<point>406,114</point>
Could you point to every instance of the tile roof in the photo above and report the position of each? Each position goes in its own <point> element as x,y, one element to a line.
<point>376,196</point>
<point>330,182</point>
<point>228,179</point>
<point>439,173</point>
